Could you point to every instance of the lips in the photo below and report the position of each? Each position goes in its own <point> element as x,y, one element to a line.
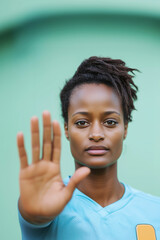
<point>97,150</point>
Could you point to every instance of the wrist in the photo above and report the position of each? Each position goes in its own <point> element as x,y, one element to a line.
<point>33,219</point>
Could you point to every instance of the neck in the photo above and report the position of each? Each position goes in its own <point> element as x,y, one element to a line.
<point>102,185</point>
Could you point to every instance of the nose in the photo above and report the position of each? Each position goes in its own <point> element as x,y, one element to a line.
<point>96,132</point>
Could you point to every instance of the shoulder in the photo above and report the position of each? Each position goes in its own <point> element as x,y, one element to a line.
<point>143,197</point>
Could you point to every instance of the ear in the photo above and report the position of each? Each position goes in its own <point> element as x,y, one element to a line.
<point>66,130</point>
<point>125,130</point>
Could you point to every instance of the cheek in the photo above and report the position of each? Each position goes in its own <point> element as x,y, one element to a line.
<point>75,143</point>
<point>117,143</point>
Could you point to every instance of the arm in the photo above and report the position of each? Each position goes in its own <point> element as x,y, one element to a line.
<point>37,231</point>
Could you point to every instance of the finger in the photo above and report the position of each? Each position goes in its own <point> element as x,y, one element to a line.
<point>78,176</point>
<point>56,148</point>
<point>21,150</point>
<point>47,144</point>
<point>35,139</point>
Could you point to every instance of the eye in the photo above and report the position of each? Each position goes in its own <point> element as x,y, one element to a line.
<point>110,123</point>
<point>82,123</point>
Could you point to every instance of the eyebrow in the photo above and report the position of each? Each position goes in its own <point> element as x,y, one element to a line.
<point>105,113</point>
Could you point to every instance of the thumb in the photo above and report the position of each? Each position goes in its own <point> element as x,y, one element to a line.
<point>78,176</point>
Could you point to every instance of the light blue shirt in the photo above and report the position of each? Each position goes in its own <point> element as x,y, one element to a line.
<point>84,219</point>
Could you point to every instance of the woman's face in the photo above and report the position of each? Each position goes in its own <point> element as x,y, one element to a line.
<point>95,128</point>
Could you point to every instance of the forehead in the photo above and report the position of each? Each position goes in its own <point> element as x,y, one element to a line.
<point>94,96</point>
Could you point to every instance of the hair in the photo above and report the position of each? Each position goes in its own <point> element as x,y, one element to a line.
<point>111,72</point>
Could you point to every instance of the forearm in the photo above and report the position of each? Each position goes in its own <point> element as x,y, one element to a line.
<point>37,231</point>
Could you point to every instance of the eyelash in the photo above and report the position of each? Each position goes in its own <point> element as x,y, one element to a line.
<point>80,121</point>
<point>114,123</point>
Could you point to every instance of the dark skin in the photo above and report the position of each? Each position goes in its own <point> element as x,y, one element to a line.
<point>102,128</point>
<point>42,192</point>
<point>103,187</point>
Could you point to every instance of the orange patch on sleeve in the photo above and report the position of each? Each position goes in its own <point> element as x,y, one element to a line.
<point>145,232</point>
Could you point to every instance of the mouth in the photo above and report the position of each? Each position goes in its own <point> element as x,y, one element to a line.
<point>97,150</point>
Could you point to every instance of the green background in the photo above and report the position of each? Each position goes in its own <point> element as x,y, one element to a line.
<point>41,45</point>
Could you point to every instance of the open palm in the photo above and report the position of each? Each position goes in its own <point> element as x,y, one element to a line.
<point>43,194</point>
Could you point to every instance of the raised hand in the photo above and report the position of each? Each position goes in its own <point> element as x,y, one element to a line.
<point>43,194</point>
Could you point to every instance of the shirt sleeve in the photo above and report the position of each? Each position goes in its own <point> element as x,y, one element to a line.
<point>31,231</point>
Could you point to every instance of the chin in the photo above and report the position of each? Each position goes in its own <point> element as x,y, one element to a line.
<point>96,165</point>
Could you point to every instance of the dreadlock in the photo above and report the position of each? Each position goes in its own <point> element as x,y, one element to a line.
<point>111,72</point>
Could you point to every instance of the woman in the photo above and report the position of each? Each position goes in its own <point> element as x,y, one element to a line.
<point>97,103</point>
